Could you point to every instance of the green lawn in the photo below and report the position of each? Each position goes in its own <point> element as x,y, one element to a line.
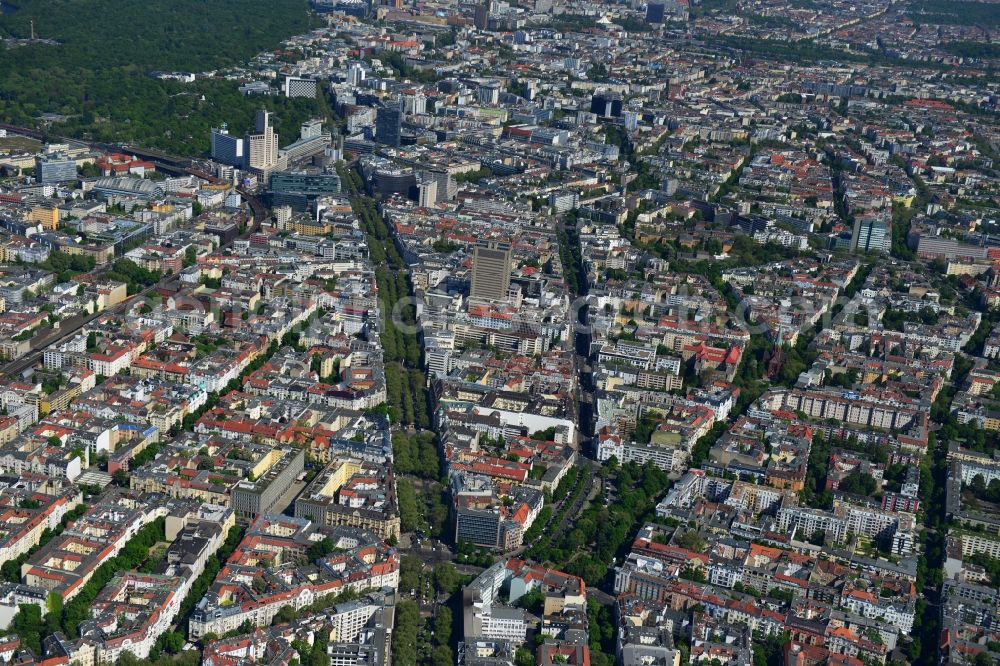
<point>18,144</point>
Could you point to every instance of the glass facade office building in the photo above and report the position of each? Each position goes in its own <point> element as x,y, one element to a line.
<point>296,189</point>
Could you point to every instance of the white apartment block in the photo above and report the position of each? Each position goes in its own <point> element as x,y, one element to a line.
<point>496,622</point>
<point>348,620</point>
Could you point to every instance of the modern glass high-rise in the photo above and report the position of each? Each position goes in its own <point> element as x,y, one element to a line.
<point>655,12</point>
<point>871,235</point>
<point>388,125</point>
<point>491,266</point>
<point>606,104</point>
<point>226,148</point>
<point>481,18</point>
<point>298,188</point>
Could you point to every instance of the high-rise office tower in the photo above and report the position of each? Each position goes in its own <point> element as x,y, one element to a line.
<point>427,187</point>
<point>335,151</point>
<point>355,73</point>
<point>606,104</point>
<point>414,102</point>
<point>55,168</point>
<point>655,12</point>
<point>489,93</point>
<point>481,19</point>
<point>262,145</point>
<point>262,121</point>
<point>491,266</point>
<point>388,125</point>
<point>226,148</point>
<point>871,235</point>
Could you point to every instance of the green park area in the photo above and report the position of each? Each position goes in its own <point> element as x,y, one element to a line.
<point>92,59</point>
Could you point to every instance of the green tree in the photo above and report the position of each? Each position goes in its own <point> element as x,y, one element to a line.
<point>120,478</point>
<point>858,483</point>
<point>691,540</point>
<point>407,499</point>
<point>445,577</point>
<point>533,601</point>
<point>442,625</point>
<point>320,549</point>
<point>27,625</point>
<point>173,642</point>
<point>318,655</point>
<point>404,644</point>
<point>524,657</point>
<point>442,656</point>
<point>112,98</point>
<point>285,614</point>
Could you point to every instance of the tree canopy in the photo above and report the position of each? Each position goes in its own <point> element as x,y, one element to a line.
<point>100,79</point>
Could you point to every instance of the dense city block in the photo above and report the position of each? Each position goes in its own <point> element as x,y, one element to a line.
<point>499,333</point>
